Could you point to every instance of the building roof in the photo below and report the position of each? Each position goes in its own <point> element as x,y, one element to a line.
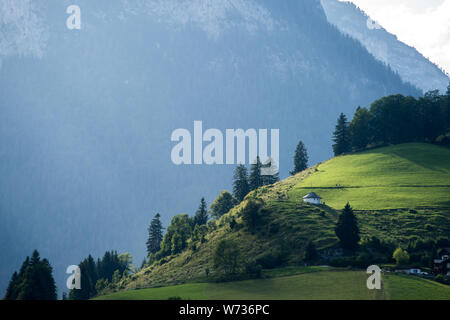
<point>311,195</point>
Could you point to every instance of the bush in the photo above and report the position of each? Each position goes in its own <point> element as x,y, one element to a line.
<point>401,256</point>
<point>342,262</point>
<point>251,215</point>
<point>362,260</point>
<point>253,270</point>
<point>227,257</point>
<point>443,140</point>
<point>441,279</point>
<point>381,250</point>
<point>270,260</point>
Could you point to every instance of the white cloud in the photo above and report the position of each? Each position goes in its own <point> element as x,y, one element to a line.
<point>424,25</point>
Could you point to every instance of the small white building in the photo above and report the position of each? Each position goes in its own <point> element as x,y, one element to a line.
<point>312,198</point>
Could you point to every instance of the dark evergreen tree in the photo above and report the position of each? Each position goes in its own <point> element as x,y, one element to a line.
<point>269,172</point>
<point>255,179</point>
<point>360,129</point>
<point>347,229</point>
<point>24,266</point>
<point>35,258</point>
<point>270,178</point>
<point>446,109</point>
<point>240,183</point>
<point>432,118</point>
<point>102,271</point>
<point>33,282</point>
<point>89,278</point>
<point>155,235</point>
<point>109,264</point>
<point>341,136</point>
<point>201,216</point>
<point>300,159</point>
<point>311,252</point>
<point>13,287</point>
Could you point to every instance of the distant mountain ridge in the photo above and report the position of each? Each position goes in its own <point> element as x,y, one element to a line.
<point>410,64</point>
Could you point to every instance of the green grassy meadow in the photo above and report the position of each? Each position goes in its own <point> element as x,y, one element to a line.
<point>402,176</point>
<point>323,285</point>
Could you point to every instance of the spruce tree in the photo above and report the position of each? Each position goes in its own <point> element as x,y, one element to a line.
<point>33,282</point>
<point>255,179</point>
<point>447,110</point>
<point>341,136</point>
<point>240,183</point>
<point>269,172</point>
<point>12,290</point>
<point>347,229</point>
<point>300,159</point>
<point>360,129</point>
<point>201,216</point>
<point>155,235</point>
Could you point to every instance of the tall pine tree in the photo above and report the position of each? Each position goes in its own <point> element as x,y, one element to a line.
<point>13,291</point>
<point>360,129</point>
<point>269,173</point>
<point>255,179</point>
<point>347,229</point>
<point>155,235</point>
<point>33,282</point>
<point>300,159</point>
<point>446,107</point>
<point>201,216</point>
<point>240,183</point>
<point>341,136</point>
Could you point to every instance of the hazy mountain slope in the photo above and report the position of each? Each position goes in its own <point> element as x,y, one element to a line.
<point>410,64</point>
<point>87,116</point>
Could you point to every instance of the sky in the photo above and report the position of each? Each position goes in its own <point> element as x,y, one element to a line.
<point>423,24</point>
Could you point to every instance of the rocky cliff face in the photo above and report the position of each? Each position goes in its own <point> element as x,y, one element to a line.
<point>410,64</point>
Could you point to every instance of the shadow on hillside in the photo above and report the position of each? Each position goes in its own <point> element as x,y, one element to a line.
<point>427,156</point>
